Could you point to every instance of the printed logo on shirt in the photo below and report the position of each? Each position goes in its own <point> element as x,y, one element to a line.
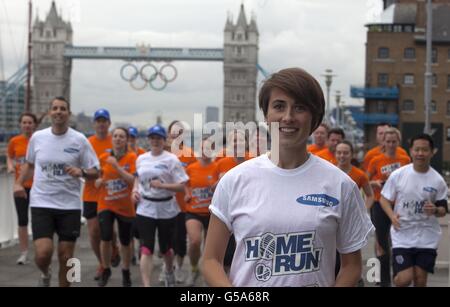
<point>414,207</point>
<point>202,194</point>
<point>116,186</point>
<point>388,169</point>
<point>283,254</point>
<point>318,200</point>
<point>71,150</point>
<point>53,169</point>
<point>430,189</point>
<point>161,166</point>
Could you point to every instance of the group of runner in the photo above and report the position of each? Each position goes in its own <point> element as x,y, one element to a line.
<point>244,206</point>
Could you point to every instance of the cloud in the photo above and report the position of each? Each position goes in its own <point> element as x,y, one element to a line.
<point>313,34</point>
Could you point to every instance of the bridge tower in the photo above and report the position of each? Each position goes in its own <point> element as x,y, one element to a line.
<point>50,71</point>
<point>240,73</point>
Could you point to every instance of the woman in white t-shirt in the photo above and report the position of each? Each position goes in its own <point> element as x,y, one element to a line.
<point>288,210</point>
<point>159,176</point>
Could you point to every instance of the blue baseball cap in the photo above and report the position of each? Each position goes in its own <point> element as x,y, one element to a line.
<point>157,130</point>
<point>102,113</point>
<point>132,131</point>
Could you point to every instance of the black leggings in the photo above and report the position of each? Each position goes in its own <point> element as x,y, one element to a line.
<point>22,205</point>
<point>382,225</point>
<point>106,220</point>
<point>179,238</point>
<point>147,228</point>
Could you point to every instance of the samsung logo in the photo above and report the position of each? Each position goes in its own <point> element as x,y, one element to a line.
<point>71,150</point>
<point>430,190</point>
<point>318,200</point>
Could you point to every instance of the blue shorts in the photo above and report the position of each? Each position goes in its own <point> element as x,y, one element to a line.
<point>405,258</point>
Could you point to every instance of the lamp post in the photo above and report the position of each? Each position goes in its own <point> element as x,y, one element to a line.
<point>338,108</point>
<point>328,81</point>
<point>428,72</point>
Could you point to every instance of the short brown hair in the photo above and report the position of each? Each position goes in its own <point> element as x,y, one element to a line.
<point>61,99</point>
<point>301,86</point>
<point>27,114</point>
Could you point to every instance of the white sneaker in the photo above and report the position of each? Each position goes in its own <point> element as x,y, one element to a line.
<point>180,275</point>
<point>192,279</point>
<point>162,275</point>
<point>23,258</point>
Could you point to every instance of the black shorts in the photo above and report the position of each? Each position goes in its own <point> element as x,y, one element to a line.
<point>405,258</point>
<point>106,220</point>
<point>147,229</point>
<point>45,222</point>
<point>202,218</point>
<point>22,205</point>
<point>90,209</point>
<point>179,235</point>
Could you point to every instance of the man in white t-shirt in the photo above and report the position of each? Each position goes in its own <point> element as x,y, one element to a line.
<point>288,216</point>
<point>419,196</point>
<point>59,157</point>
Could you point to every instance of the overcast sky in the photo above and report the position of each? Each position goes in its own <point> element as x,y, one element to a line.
<point>312,34</point>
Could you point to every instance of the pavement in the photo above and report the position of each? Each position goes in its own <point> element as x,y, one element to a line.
<point>13,275</point>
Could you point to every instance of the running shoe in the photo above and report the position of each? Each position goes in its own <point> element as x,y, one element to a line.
<point>23,258</point>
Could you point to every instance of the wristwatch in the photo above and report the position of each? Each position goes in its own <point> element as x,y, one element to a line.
<point>83,173</point>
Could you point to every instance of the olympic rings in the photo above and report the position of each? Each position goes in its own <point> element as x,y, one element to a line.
<point>140,78</point>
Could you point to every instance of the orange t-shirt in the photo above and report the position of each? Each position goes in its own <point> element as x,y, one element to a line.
<point>201,180</point>
<point>227,163</point>
<point>326,154</point>
<point>115,193</point>
<point>186,157</point>
<point>139,151</point>
<point>314,149</point>
<point>90,193</point>
<point>382,166</point>
<point>376,151</point>
<point>17,151</point>
<point>358,176</point>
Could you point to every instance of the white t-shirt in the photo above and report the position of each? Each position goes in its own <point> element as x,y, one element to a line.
<point>50,153</point>
<point>168,169</point>
<point>409,190</point>
<point>289,223</point>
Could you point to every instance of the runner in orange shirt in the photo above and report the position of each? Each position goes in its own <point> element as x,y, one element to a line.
<point>372,153</point>
<point>335,136</point>
<point>17,150</point>
<point>186,156</point>
<point>132,141</point>
<point>379,170</point>
<point>344,154</point>
<point>320,139</point>
<point>114,203</point>
<point>101,141</point>
<point>203,176</point>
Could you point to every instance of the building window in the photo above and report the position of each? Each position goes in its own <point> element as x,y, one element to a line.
<point>48,34</point>
<point>383,53</point>
<point>433,107</point>
<point>434,56</point>
<point>409,29</point>
<point>434,80</point>
<point>408,105</point>
<point>408,79</point>
<point>398,28</point>
<point>448,108</point>
<point>381,107</point>
<point>383,80</point>
<point>410,53</point>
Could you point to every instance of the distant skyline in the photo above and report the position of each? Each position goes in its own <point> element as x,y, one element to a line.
<point>312,34</point>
